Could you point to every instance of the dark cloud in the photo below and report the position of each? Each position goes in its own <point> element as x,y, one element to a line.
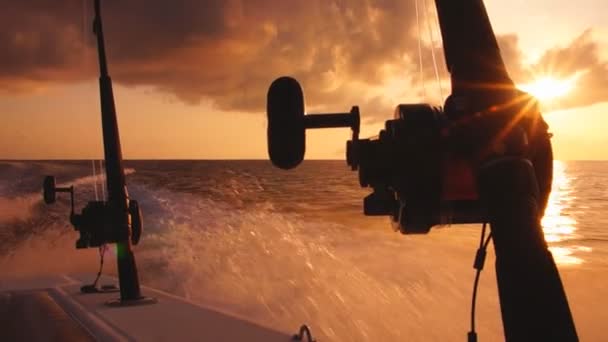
<point>228,51</point>
<point>40,43</point>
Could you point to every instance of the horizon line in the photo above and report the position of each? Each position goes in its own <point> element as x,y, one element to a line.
<point>224,159</point>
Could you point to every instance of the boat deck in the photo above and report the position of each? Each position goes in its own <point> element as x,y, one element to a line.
<point>33,315</point>
<point>54,309</point>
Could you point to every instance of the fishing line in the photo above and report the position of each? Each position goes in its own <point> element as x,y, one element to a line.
<point>102,175</point>
<point>84,23</point>
<point>95,180</point>
<point>85,32</point>
<point>84,44</point>
<point>444,72</point>
<point>432,38</point>
<point>102,248</point>
<point>420,50</point>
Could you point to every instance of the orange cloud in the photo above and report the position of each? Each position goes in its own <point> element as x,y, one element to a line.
<point>230,51</point>
<point>226,51</point>
<point>580,59</point>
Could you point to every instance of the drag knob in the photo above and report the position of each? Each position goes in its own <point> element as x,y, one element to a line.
<point>285,110</point>
<point>136,221</point>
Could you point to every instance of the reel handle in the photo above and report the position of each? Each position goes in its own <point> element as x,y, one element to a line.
<point>50,190</point>
<point>334,120</point>
<point>287,123</point>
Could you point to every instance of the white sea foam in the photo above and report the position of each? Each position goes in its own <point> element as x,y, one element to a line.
<point>281,271</point>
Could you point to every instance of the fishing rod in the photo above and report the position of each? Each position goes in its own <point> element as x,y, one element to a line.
<point>118,218</point>
<point>485,157</point>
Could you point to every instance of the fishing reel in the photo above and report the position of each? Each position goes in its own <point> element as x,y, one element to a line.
<point>99,222</point>
<point>420,166</point>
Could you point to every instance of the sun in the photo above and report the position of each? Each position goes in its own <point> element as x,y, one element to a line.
<point>548,88</point>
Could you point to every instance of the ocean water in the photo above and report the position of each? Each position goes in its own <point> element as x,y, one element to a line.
<point>282,248</point>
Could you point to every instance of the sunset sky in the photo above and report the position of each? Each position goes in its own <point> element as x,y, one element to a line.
<point>190,76</point>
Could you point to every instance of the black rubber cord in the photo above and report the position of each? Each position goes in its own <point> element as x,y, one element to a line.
<point>304,331</point>
<point>92,288</point>
<point>480,258</point>
<point>102,251</point>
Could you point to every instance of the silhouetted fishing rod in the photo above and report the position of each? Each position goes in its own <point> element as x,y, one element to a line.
<point>485,157</point>
<point>533,302</point>
<point>117,219</point>
<point>118,201</point>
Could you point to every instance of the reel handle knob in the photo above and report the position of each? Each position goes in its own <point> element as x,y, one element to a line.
<point>49,190</point>
<point>136,221</point>
<point>285,110</point>
<point>287,123</point>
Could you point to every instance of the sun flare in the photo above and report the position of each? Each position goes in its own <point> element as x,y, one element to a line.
<point>549,88</point>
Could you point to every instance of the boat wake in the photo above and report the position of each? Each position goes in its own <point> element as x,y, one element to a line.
<point>248,254</point>
<point>278,270</point>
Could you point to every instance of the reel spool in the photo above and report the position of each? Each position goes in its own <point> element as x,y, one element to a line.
<point>94,223</point>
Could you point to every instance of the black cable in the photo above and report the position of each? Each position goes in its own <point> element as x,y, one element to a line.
<point>102,250</point>
<point>304,331</point>
<point>480,258</point>
<point>92,288</point>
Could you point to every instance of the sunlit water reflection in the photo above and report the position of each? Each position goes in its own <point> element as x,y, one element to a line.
<point>560,227</point>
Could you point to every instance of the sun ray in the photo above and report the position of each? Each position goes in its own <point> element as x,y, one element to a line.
<point>525,108</point>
